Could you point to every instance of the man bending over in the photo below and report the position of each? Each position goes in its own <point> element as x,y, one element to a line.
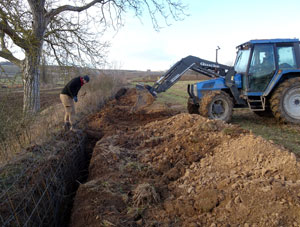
<point>68,96</point>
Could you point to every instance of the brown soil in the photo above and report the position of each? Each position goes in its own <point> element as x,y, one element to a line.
<point>162,168</point>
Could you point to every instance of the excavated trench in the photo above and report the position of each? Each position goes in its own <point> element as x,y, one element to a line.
<point>82,173</point>
<point>159,167</point>
<point>38,188</point>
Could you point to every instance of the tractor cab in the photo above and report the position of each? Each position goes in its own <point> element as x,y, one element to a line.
<point>259,61</point>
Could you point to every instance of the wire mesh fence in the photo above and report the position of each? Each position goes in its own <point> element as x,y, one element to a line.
<point>37,189</point>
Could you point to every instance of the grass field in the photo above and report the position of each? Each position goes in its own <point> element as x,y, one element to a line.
<point>176,95</point>
<point>286,135</point>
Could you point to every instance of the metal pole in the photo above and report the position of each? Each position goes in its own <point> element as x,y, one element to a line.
<point>218,48</point>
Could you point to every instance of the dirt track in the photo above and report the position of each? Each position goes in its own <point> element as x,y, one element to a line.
<point>162,168</point>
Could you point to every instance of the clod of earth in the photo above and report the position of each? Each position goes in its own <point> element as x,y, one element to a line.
<point>159,168</point>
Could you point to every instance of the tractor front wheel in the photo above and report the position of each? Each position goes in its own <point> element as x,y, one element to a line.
<point>216,105</point>
<point>285,101</point>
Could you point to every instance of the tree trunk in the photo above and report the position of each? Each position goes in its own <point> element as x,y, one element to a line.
<point>31,67</point>
<point>31,83</point>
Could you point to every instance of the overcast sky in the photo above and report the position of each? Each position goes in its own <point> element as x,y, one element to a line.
<point>212,23</point>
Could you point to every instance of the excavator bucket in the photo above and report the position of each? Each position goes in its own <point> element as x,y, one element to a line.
<point>144,97</point>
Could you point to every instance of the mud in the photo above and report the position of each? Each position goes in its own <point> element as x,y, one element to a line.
<point>159,167</point>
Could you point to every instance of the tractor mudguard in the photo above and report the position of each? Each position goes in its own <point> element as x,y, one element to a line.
<point>277,78</point>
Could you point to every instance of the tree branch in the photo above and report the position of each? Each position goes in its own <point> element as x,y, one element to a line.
<point>2,41</point>
<point>6,29</point>
<point>63,8</point>
<point>9,56</point>
<point>5,53</point>
<point>15,38</point>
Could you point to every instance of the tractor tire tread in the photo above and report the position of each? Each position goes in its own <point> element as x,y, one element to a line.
<point>276,101</point>
<point>207,99</point>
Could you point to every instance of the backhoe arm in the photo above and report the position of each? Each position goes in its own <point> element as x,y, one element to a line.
<point>199,65</point>
<point>146,93</point>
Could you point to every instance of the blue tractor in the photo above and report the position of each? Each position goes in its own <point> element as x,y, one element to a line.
<point>265,78</point>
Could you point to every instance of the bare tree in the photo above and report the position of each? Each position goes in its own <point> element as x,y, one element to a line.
<point>67,32</point>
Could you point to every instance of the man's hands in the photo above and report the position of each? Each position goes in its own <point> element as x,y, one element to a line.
<point>75,99</point>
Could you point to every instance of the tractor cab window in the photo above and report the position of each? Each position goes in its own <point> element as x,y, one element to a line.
<point>241,62</point>
<point>286,57</point>
<point>261,68</point>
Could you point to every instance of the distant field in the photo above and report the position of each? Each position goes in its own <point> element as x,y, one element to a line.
<point>11,82</point>
<point>286,135</point>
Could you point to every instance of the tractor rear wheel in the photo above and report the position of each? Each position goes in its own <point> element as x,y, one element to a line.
<point>285,101</point>
<point>191,107</point>
<point>216,105</point>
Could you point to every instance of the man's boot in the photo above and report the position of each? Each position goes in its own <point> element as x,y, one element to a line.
<point>67,126</point>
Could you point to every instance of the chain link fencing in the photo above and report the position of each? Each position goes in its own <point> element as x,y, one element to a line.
<point>38,188</point>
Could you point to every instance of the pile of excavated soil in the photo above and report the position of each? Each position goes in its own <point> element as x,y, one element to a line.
<point>160,168</point>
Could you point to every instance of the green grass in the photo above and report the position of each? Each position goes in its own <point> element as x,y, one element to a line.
<point>176,95</point>
<point>286,135</point>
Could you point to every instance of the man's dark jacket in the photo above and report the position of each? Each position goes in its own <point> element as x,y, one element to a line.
<point>72,88</point>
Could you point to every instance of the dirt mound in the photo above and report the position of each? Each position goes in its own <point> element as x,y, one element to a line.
<point>246,180</point>
<point>161,168</point>
<point>117,115</point>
